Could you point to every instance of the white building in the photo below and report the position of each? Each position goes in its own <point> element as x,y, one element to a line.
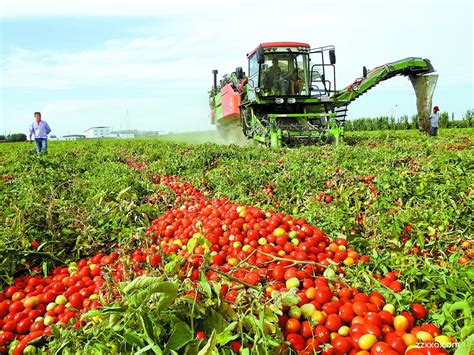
<point>97,132</point>
<point>126,135</point>
<point>73,137</point>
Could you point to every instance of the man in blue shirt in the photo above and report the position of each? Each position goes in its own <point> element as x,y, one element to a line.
<point>40,129</point>
<point>434,121</point>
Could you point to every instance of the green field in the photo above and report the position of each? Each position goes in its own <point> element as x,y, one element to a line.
<point>401,198</point>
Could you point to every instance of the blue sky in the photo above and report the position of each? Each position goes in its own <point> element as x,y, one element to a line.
<point>147,65</point>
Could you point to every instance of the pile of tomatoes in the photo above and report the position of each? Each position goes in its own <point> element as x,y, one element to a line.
<point>284,254</point>
<point>244,247</point>
<point>30,306</point>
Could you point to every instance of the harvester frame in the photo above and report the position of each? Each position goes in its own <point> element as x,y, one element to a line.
<point>295,100</point>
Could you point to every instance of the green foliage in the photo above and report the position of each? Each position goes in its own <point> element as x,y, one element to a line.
<point>83,198</point>
<point>443,120</point>
<point>73,202</point>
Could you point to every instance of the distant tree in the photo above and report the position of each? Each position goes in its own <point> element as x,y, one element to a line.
<point>2,138</point>
<point>443,119</point>
<point>469,116</point>
<point>17,137</point>
<point>414,120</point>
<point>404,122</point>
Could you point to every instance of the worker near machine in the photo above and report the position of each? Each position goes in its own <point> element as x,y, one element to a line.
<point>434,121</point>
<point>40,129</point>
<point>296,82</point>
<point>272,75</point>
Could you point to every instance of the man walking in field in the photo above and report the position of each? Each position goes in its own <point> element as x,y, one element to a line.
<point>40,129</point>
<point>434,121</point>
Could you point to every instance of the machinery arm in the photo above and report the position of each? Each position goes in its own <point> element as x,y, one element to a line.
<point>408,67</point>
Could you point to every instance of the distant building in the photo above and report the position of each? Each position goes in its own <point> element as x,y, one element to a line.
<point>126,135</point>
<point>98,132</point>
<point>73,137</point>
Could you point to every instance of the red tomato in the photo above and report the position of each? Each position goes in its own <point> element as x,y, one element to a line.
<point>235,345</point>
<point>359,308</point>
<point>4,305</point>
<point>373,329</point>
<point>37,326</point>
<point>9,326</point>
<point>76,300</point>
<point>373,318</point>
<point>321,334</point>
<point>306,330</point>
<point>292,325</point>
<point>297,342</point>
<point>252,278</point>
<point>346,312</point>
<point>24,325</point>
<point>331,307</point>
<point>341,344</point>
<point>10,291</point>
<point>16,307</point>
<point>419,311</point>
<point>361,297</point>
<point>379,348</point>
<point>333,322</point>
<point>290,273</point>
<point>6,337</point>
<point>323,295</point>
<point>200,335</point>
<point>396,342</point>
<point>387,317</point>
<point>432,329</point>
<point>344,293</point>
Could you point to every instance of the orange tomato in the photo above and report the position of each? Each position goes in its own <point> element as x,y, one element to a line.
<point>400,323</point>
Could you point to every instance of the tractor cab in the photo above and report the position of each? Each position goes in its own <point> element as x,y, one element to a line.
<point>285,69</point>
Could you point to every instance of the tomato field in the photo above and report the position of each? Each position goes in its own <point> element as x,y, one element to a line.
<point>154,246</point>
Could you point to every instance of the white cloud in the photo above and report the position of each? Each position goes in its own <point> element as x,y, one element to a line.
<point>174,61</point>
<point>244,9</point>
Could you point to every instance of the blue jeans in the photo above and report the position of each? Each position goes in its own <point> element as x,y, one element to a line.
<point>41,145</point>
<point>434,131</point>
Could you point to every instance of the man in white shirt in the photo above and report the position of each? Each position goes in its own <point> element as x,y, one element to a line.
<point>434,121</point>
<point>40,130</point>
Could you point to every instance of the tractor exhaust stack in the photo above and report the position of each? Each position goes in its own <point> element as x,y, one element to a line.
<point>214,73</point>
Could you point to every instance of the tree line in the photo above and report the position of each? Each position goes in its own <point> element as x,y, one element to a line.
<point>15,137</point>
<point>406,122</point>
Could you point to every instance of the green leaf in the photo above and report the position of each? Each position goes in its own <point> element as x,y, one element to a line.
<point>168,292</point>
<point>180,336</point>
<point>290,298</point>
<point>163,293</point>
<point>210,346</point>
<point>174,264</point>
<point>466,347</point>
<point>205,285</point>
<point>470,272</point>
<point>191,245</point>
<point>147,327</point>
<point>119,195</point>
<point>133,338</point>
<point>140,283</point>
<point>215,321</point>
<point>227,336</point>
